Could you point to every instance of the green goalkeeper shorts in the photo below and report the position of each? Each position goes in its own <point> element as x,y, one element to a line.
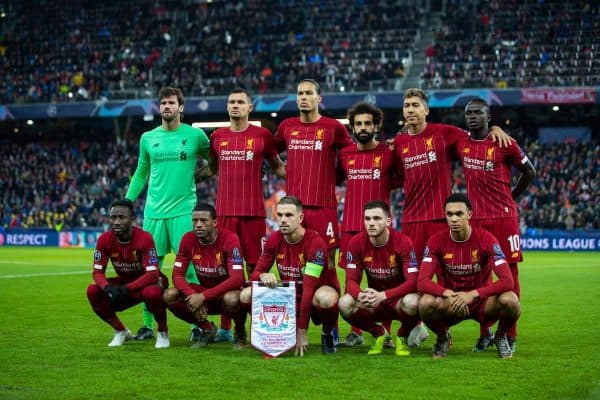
<point>167,232</point>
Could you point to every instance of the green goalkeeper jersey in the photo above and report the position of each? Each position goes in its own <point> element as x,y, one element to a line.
<point>167,161</point>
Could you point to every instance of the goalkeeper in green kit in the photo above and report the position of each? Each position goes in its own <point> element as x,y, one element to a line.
<point>167,161</point>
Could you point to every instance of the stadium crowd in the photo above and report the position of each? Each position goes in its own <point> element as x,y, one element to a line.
<point>112,50</point>
<point>515,44</point>
<point>102,50</point>
<point>71,184</point>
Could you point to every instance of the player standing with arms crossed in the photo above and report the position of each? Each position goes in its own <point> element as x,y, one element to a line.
<point>167,161</point>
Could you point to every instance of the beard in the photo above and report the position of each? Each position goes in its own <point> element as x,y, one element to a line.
<point>363,137</point>
<point>170,117</point>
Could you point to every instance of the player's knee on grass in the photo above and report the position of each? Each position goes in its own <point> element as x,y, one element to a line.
<point>231,301</point>
<point>347,305</point>
<point>325,297</point>
<point>246,296</point>
<point>409,304</point>
<point>171,296</point>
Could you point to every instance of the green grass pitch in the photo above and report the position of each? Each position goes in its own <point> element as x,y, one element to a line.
<point>52,346</point>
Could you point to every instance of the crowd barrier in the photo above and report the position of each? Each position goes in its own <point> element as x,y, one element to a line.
<point>560,240</point>
<point>83,238</point>
<point>533,239</point>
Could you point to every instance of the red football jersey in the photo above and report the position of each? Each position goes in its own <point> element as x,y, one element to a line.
<point>292,261</point>
<point>311,157</point>
<point>424,163</point>
<point>392,268</point>
<point>465,265</point>
<point>135,262</point>
<point>487,168</point>
<point>368,177</point>
<point>218,266</point>
<point>240,157</point>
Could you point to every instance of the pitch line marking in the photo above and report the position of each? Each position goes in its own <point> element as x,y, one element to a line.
<point>34,275</point>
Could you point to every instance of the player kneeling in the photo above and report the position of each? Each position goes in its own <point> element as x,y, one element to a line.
<point>216,258</point>
<point>133,256</point>
<point>301,257</point>
<point>466,257</point>
<point>388,259</point>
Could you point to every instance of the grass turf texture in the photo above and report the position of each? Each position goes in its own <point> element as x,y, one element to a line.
<point>53,346</point>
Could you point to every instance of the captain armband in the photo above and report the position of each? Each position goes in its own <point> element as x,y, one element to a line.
<point>313,270</point>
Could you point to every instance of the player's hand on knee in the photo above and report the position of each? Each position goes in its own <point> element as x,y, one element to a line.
<point>201,313</point>
<point>457,305</point>
<point>374,297</point>
<point>194,301</point>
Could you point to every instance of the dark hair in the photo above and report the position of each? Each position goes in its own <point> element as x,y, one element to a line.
<point>206,207</point>
<point>314,82</point>
<point>459,198</point>
<point>291,200</point>
<point>241,90</point>
<point>416,92</point>
<point>371,205</point>
<point>365,108</point>
<point>168,91</point>
<point>479,101</point>
<point>123,203</point>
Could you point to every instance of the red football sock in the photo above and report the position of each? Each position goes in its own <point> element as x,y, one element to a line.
<point>101,306</point>
<point>364,320</point>
<point>438,326</point>
<point>181,311</point>
<point>328,317</point>
<point>152,296</point>
<point>225,321</point>
<point>408,322</point>
<point>484,328</point>
<point>356,330</point>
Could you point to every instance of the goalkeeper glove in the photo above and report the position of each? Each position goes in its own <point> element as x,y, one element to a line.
<point>117,295</point>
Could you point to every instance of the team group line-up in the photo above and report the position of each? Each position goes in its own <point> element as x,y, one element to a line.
<point>437,272</point>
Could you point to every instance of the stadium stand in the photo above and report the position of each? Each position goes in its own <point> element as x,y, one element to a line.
<point>80,51</point>
<point>515,44</point>
<point>128,49</point>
